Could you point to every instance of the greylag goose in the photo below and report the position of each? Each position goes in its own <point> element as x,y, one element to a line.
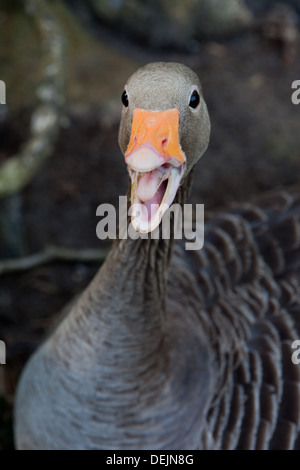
<point>170,348</point>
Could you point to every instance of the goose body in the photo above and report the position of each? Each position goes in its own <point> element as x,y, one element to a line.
<point>169,348</point>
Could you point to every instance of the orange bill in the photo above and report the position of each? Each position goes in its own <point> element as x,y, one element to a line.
<point>159,130</point>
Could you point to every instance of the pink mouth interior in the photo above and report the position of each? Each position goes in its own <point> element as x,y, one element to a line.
<point>153,204</point>
<point>151,189</point>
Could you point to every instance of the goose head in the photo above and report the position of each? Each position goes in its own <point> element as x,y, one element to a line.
<point>164,130</point>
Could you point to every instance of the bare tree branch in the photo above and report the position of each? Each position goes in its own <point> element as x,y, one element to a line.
<point>17,171</point>
<point>52,253</point>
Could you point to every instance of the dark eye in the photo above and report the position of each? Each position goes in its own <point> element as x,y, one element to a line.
<point>125,98</point>
<point>194,99</point>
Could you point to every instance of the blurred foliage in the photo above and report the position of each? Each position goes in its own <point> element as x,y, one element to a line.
<point>19,55</point>
<point>177,23</point>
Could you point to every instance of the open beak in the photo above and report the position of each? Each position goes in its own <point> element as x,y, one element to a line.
<point>155,164</point>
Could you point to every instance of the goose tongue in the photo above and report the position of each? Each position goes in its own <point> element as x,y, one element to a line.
<point>148,184</point>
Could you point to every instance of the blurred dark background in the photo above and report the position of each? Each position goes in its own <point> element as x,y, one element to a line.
<point>65,64</point>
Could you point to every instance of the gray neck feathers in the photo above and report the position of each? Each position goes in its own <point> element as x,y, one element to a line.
<point>127,296</point>
<point>117,372</point>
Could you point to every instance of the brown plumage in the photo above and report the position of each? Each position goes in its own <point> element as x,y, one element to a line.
<point>176,349</point>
